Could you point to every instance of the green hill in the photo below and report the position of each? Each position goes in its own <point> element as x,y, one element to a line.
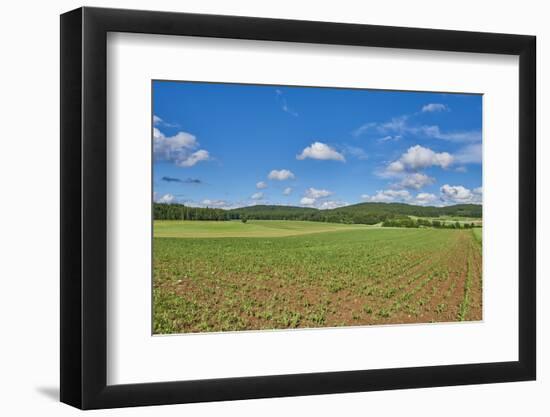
<point>362,213</point>
<point>463,210</point>
<point>266,212</point>
<point>366,213</point>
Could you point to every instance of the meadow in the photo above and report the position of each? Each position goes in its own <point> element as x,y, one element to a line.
<point>255,228</point>
<point>276,274</point>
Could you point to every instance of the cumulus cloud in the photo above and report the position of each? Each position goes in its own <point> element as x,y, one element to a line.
<point>434,107</point>
<point>257,196</point>
<point>214,203</point>
<point>172,143</point>
<point>415,181</point>
<point>331,204</point>
<point>321,151</point>
<point>166,199</point>
<point>418,157</point>
<point>280,175</point>
<point>287,191</point>
<point>307,201</point>
<point>322,204</point>
<point>192,159</point>
<point>312,195</point>
<point>425,199</point>
<point>387,196</point>
<point>460,194</point>
<point>261,185</point>
<point>157,121</point>
<point>179,148</point>
<point>315,193</point>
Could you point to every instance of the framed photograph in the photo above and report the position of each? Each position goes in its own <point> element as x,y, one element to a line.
<point>258,208</point>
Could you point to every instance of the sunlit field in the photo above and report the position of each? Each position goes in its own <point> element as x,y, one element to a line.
<point>253,228</point>
<point>229,276</point>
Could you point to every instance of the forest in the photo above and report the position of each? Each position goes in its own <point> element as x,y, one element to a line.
<point>389,214</point>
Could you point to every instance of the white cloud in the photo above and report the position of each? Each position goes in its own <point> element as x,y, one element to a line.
<point>389,138</point>
<point>470,154</point>
<point>257,196</point>
<point>280,175</point>
<point>418,157</point>
<point>287,191</point>
<point>307,201</point>
<point>322,151</point>
<point>478,190</point>
<point>171,143</point>
<point>284,103</point>
<point>192,159</point>
<point>425,199</point>
<point>178,148</point>
<point>167,199</point>
<point>320,202</point>
<point>434,107</point>
<point>396,124</point>
<point>315,193</point>
<point>415,181</point>
<point>363,128</point>
<point>311,195</point>
<point>395,167</point>
<point>261,185</point>
<point>400,126</point>
<point>460,194</point>
<point>214,203</point>
<point>331,204</point>
<point>462,136</point>
<point>157,121</point>
<point>388,196</point>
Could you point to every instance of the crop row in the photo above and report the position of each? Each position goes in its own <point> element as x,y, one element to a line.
<point>324,279</point>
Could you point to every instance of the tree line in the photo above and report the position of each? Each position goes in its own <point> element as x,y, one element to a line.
<point>390,215</point>
<point>163,211</point>
<point>438,224</point>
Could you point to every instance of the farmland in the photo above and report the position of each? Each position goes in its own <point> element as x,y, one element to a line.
<point>452,219</point>
<point>277,274</point>
<point>257,228</point>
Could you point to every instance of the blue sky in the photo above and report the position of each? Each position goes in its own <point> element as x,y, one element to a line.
<point>233,145</point>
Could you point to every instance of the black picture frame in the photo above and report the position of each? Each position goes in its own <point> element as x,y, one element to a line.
<point>84,207</point>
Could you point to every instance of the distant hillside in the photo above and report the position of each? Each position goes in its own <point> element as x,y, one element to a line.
<point>362,213</point>
<point>266,212</point>
<point>464,210</point>
<point>366,213</point>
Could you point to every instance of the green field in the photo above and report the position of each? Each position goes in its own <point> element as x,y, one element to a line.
<point>478,233</point>
<point>276,274</point>
<point>452,219</point>
<point>253,228</point>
